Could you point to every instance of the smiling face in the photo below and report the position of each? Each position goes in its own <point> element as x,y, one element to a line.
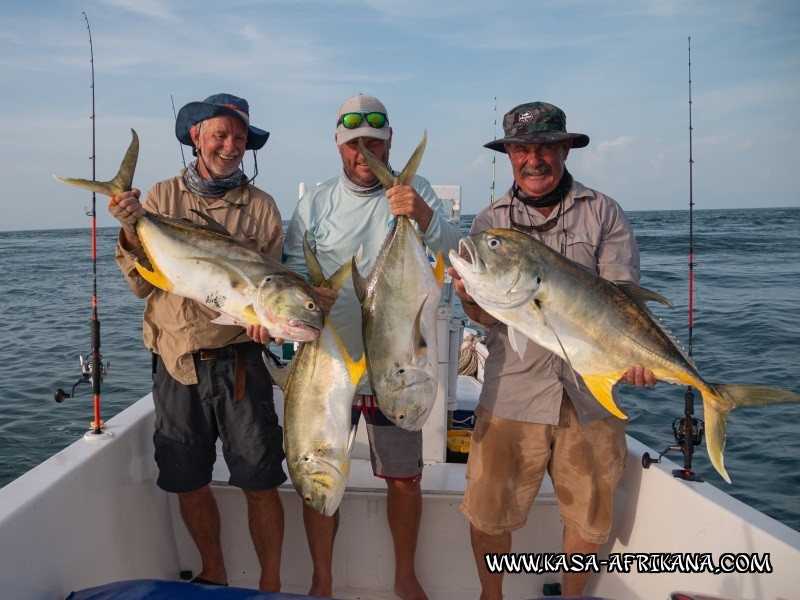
<point>355,167</point>
<point>220,142</point>
<point>538,167</point>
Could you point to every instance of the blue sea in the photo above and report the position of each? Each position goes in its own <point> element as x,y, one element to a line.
<point>746,330</point>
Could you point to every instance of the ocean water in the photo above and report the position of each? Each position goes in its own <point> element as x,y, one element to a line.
<point>746,330</point>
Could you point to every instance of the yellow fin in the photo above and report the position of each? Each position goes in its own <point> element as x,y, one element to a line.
<point>438,270</point>
<point>356,368</point>
<point>600,386</point>
<point>250,316</point>
<point>154,277</point>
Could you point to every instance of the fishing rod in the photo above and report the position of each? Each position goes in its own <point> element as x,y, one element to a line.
<point>494,154</point>
<point>688,430</point>
<point>93,371</point>
<point>183,158</point>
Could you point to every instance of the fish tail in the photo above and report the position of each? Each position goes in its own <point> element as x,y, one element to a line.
<point>123,180</point>
<point>719,399</point>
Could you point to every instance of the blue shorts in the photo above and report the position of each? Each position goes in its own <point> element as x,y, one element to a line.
<point>190,418</point>
<point>395,452</point>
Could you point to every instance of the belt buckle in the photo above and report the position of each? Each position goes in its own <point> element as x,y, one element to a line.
<point>208,355</point>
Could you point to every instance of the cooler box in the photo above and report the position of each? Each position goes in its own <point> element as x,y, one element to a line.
<point>467,394</point>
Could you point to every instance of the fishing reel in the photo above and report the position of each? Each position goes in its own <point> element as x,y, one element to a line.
<point>87,372</point>
<point>688,432</point>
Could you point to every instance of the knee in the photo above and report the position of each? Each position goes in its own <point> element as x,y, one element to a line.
<point>410,487</point>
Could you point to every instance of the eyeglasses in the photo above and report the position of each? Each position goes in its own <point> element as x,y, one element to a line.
<point>520,150</point>
<point>351,120</point>
<point>528,229</point>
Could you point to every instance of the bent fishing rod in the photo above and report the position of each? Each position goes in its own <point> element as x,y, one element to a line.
<point>687,430</point>
<point>93,371</point>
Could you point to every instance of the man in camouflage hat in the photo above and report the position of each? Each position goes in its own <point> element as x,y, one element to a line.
<point>531,417</point>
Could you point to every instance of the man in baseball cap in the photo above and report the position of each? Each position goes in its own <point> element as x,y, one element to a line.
<point>339,216</point>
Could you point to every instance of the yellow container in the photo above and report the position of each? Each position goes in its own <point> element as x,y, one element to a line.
<point>458,440</point>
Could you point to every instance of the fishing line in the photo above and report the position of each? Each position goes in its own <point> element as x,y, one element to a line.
<point>93,371</point>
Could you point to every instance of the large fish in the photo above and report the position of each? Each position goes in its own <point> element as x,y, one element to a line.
<point>205,263</point>
<point>600,328</point>
<point>319,385</point>
<point>399,301</point>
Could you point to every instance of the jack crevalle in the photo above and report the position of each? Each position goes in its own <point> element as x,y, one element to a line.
<point>319,385</point>
<point>600,328</point>
<point>205,263</point>
<point>399,300</point>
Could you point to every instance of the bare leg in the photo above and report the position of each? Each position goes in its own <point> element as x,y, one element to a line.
<point>201,517</point>
<point>265,518</point>
<point>404,512</point>
<point>320,533</point>
<point>482,544</point>
<point>573,584</point>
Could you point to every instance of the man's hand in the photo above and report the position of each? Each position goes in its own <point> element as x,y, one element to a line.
<point>260,334</point>
<point>404,200</point>
<point>125,207</point>
<point>638,376</point>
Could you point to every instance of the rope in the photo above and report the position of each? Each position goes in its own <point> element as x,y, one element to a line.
<point>468,356</point>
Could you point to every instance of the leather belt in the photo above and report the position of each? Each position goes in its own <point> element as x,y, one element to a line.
<point>240,369</point>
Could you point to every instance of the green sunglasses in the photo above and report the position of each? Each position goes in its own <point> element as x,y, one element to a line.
<point>352,120</point>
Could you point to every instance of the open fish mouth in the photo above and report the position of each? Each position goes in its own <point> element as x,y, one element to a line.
<point>300,331</point>
<point>469,255</point>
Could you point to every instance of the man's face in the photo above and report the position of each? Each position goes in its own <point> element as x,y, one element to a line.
<point>355,167</point>
<point>221,145</point>
<point>538,167</point>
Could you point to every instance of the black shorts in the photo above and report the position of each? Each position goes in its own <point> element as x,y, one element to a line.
<point>190,418</point>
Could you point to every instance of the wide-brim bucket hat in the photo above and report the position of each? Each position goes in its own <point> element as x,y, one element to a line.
<point>215,106</point>
<point>536,123</point>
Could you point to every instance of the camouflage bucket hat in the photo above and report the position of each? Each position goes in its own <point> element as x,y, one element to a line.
<point>536,123</point>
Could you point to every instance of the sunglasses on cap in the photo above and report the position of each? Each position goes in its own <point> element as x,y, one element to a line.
<point>351,120</point>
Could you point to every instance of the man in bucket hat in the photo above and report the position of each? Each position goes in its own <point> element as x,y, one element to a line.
<point>531,417</point>
<point>349,212</point>
<point>209,380</point>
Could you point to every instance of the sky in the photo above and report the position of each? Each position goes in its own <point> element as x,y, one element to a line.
<point>619,69</point>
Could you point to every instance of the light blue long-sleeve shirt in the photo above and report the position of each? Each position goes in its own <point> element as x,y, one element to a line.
<point>340,222</point>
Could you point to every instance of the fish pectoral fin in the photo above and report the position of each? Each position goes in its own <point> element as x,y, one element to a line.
<point>420,344</point>
<point>359,283</point>
<point>154,277</point>
<point>601,386</point>
<point>518,341</point>
<point>280,375</point>
<point>351,439</point>
<point>226,319</point>
<point>238,278</point>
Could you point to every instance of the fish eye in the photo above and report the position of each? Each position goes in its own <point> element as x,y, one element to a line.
<point>493,243</point>
<point>310,305</point>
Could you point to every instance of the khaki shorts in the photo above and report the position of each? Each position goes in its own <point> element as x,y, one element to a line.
<point>508,459</point>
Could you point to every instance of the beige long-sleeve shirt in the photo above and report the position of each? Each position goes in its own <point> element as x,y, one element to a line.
<point>176,327</point>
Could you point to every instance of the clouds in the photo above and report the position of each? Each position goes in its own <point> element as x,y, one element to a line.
<point>618,71</point>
